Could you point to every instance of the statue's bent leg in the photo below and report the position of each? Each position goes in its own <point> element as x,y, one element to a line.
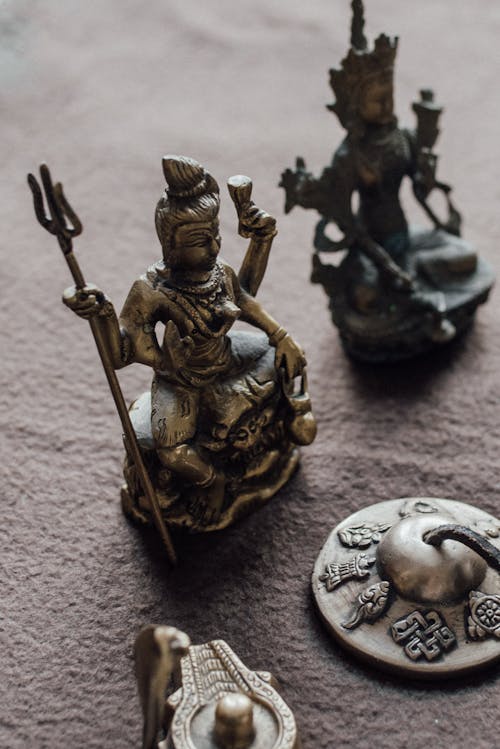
<point>174,415</point>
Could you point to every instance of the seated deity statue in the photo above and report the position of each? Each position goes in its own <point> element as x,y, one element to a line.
<point>397,291</point>
<point>219,428</point>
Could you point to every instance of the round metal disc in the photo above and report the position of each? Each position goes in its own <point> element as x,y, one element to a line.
<point>415,638</point>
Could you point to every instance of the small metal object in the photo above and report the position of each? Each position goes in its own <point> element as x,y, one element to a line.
<point>432,606</point>
<point>217,702</point>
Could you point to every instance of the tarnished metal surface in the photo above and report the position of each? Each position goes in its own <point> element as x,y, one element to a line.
<point>425,611</point>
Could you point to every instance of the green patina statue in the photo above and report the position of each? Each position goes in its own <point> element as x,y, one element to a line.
<point>397,291</point>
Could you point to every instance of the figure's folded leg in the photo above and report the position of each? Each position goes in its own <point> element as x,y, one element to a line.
<point>441,256</point>
<point>174,414</point>
<point>174,417</point>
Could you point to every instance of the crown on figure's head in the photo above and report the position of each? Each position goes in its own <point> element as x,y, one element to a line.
<point>359,67</point>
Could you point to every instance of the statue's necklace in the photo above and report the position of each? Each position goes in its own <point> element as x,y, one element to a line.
<point>213,285</point>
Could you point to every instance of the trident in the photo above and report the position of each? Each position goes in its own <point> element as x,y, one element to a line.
<point>60,213</point>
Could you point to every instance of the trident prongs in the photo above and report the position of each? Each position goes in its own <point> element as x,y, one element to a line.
<point>60,211</point>
<point>63,222</point>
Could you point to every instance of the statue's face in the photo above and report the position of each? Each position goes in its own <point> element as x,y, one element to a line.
<point>377,103</point>
<point>195,246</point>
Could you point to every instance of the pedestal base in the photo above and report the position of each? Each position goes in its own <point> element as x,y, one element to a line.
<point>380,324</point>
<point>249,424</point>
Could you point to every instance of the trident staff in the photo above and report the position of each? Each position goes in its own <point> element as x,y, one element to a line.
<point>60,213</point>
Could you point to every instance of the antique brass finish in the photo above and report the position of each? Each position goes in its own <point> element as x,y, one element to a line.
<point>217,702</point>
<point>422,572</point>
<point>429,604</point>
<point>398,291</point>
<point>57,224</point>
<point>218,433</point>
<point>157,654</point>
<point>234,725</point>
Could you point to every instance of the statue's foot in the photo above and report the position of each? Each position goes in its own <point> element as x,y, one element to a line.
<point>207,508</point>
<point>167,486</point>
<point>215,496</point>
<point>443,331</point>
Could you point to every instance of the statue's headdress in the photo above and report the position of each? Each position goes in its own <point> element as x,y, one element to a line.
<point>358,67</point>
<point>192,194</point>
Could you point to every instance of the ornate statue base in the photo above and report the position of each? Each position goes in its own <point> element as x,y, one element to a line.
<point>380,324</point>
<point>250,427</point>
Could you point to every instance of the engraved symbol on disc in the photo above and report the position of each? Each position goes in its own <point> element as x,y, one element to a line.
<point>419,611</point>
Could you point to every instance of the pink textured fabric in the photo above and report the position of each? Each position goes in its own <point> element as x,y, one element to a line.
<point>101,91</point>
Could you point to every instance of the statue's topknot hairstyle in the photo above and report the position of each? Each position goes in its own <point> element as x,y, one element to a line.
<point>192,194</point>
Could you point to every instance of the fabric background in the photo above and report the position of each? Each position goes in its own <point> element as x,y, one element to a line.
<point>101,90</point>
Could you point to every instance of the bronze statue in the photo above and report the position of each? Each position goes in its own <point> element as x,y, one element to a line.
<point>216,702</point>
<point>398,291</point>
<point>217,434</point>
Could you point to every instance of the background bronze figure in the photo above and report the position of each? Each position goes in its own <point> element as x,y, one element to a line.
<point>216,701</point>
<point>218,431</point>
<point>398,291</point>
